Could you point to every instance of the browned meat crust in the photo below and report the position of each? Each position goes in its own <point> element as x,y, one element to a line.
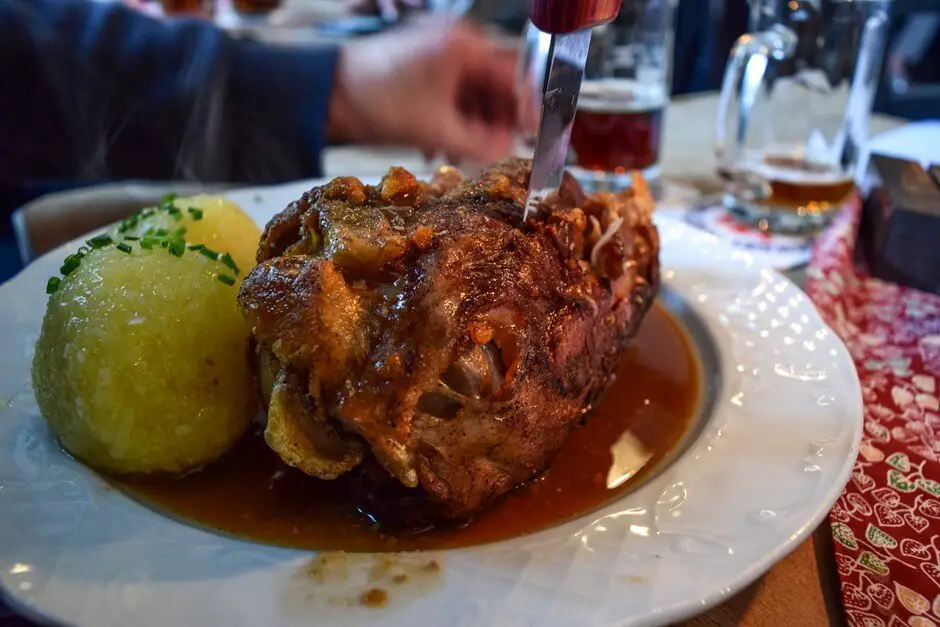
<point>426,324</point>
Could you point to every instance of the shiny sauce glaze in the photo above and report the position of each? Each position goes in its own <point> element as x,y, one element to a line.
<point>640,419</point>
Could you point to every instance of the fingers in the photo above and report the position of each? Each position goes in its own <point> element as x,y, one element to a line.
<point>493,106</point>
<point>472,140</point>
<point>441,87</point>
<point>487,102</point>
<point>477,117</point>
<point>444,131</point>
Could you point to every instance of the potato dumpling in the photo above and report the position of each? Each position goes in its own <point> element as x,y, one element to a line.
<point>142,363</point>
<point>214,221</point>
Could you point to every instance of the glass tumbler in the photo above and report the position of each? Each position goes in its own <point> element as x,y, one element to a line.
<point>624,95</point>
<point>794,109</point>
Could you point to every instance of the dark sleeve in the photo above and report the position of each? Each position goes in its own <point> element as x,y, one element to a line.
<point>92,91</point>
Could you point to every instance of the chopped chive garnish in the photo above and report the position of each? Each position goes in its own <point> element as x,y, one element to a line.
<point>128,223</point>
<point>100,241</point>
<point>70,264</point>
<point>227,260</point>
<point>177,247</point>
<point>171,239</point>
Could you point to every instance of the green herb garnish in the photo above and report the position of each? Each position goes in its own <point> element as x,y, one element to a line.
<point>208,252</point>
<point>129,223</point>
<point>228,261</point>
<point>71,264</point>
<point>177,247</point>
<point>100,241</point>
<point>173,240</point>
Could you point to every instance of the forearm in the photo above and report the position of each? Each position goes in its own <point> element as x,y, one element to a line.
<point>99,91</point>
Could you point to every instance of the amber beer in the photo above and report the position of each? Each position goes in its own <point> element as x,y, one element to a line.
<point>256,6</point>
<point>796,184</point>
<point>617,127</point>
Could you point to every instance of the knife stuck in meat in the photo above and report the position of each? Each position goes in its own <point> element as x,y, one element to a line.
<point>569,25</point>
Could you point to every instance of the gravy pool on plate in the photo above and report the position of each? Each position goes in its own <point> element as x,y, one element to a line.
<point>250,493</point>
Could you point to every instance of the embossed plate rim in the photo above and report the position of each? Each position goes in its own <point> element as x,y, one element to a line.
<point>745,492</point>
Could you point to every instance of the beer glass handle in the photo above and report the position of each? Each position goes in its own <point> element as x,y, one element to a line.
<point>744,78</point>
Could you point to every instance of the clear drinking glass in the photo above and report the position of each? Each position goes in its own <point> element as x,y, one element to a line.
<point>794,109</point>
<point>624,94</point>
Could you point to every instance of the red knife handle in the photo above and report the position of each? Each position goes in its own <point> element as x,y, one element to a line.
<point>558,17</point>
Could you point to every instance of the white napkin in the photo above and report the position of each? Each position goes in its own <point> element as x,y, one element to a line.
<point>917,141</point>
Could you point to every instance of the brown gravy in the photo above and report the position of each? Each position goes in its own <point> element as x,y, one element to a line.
<point>251,494</point>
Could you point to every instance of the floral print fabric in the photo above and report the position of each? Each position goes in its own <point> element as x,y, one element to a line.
<point>886,525</point>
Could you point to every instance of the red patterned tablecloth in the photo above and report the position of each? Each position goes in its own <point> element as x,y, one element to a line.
<point>886,525</point>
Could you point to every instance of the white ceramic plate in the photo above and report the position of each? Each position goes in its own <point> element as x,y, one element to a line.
<point>771,458</point>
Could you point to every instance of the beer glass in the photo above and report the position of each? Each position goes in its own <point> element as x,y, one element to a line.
<point>794,109</point>
<point>624,94</point>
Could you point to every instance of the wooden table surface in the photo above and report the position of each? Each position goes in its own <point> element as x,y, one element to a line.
<point>801,590</point>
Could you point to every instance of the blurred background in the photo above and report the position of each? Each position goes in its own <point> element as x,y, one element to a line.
<point>705,30</point>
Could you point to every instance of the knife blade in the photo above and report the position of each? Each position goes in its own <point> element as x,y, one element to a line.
<point>567,55</point>
<point>569,24</point>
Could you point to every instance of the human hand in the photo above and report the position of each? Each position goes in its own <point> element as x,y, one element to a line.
<point>439,86</point>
